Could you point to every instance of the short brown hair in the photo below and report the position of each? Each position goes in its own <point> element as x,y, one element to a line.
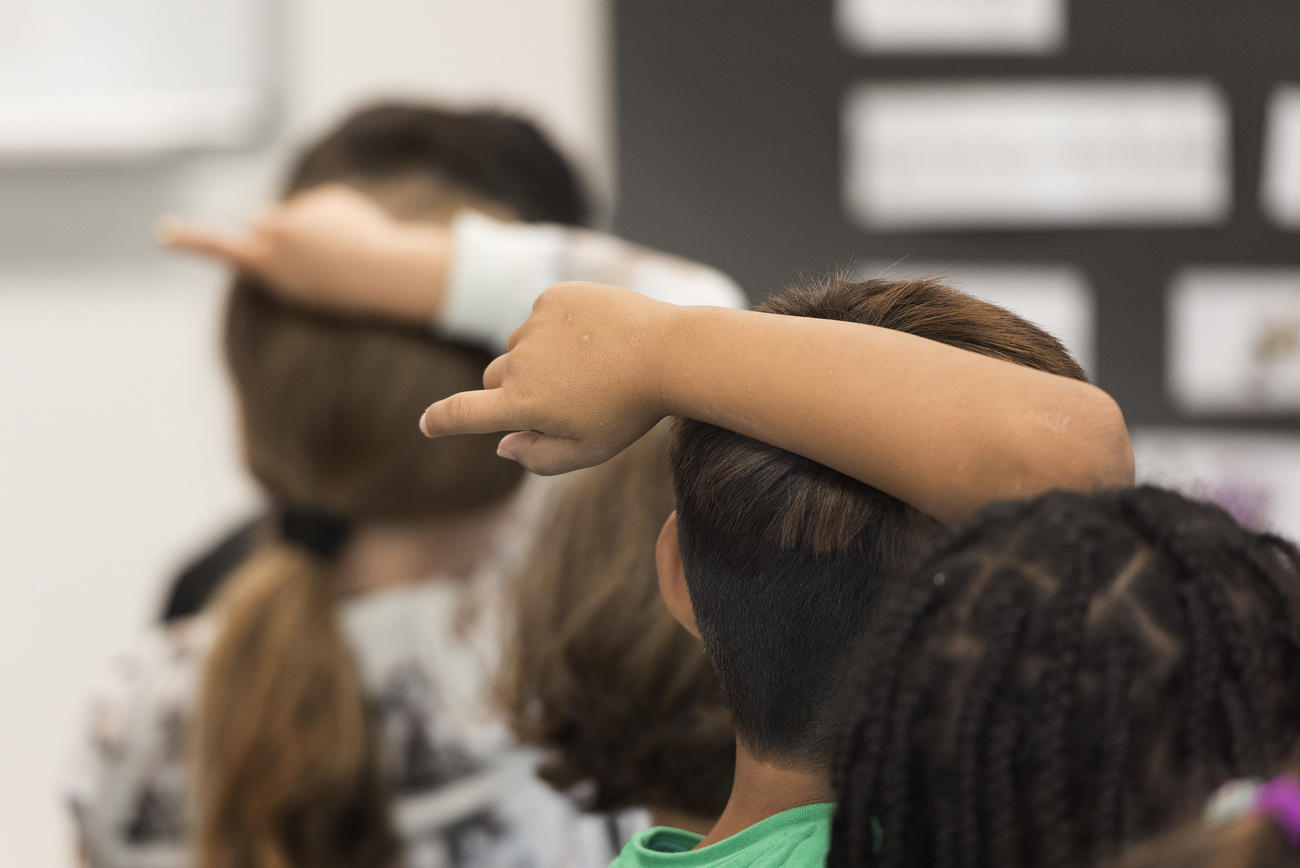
<point>783,556</point>
<point>599,675</point>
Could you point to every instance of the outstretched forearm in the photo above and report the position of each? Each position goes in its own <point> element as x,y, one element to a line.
<point>474,279</point>
<point>941,428</point>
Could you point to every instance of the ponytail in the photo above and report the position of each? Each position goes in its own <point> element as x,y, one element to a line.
<point>286,768</point>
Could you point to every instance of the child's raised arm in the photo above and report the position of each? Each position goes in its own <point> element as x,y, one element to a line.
<point>474,278</point>
<point>940,428</point>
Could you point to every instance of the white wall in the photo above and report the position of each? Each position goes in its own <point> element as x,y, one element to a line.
<point>116,450</point>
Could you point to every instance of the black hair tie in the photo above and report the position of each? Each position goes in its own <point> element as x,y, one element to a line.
<point>319,531</point>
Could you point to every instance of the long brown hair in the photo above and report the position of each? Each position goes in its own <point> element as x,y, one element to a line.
<point>599,675</point>
<point>1253,841</point>
<point>1250,842</point>
<point>286,767</point>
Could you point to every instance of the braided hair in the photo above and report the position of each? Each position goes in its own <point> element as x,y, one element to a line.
<point>1063,676</point>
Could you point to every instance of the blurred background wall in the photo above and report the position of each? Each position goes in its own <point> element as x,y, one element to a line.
<point>1126,174</point>
<point>116,451</point>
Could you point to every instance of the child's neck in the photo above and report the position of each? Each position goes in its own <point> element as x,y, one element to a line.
<point>762,790</point>
<point>696,823</point>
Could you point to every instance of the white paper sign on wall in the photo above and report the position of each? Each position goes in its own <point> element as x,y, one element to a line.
<point>1234,340</point>
<point>952,26</point>
<point>1254,476</point>
<point>1040,154</point>
<point>1056,297</point>
<point>1281,193</point>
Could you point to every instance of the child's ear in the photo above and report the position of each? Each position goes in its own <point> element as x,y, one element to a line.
<point>672,577</point>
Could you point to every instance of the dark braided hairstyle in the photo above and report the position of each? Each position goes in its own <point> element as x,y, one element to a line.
<point>1066,675</point>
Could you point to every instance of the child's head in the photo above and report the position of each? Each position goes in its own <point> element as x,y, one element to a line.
<point>599,675</point>
<point>784,558</point>
<point>1067,674</point>
<point>485,158</point>
<point>286,766</point>
<point>319,430</point>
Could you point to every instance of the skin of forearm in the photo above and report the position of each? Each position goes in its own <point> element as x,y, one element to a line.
<point>407,274</point>
<point>940,428</point>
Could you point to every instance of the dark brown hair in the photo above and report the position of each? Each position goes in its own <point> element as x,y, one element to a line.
<point>599,675</point>
<point>287,774</point>
<point>491,156</point>
<point>783,556</point>
<point>1067,675</point>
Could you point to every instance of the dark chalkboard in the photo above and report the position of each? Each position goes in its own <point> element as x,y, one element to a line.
<point>729,138</point>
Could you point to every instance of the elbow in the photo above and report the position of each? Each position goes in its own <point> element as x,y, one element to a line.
<point>1110,450</point>
<point>1097,453</point>
<point>1085,448</point>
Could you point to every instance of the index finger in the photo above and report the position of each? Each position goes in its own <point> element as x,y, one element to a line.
<point>241,252</point>
<point>482,412</point>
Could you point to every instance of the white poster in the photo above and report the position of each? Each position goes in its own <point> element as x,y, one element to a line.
<point>1281,179</point>
<point>1255,477</point>
<point>1234,339</point>
<point>88,79</point>
<point>1050,154</point>
<point>1057,298</point>
<point>952,26</point>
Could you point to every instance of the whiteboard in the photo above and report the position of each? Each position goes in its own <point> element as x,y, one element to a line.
<point>96,79</point>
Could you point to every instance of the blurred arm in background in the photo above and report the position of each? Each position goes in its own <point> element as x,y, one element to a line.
<point>475,278</point>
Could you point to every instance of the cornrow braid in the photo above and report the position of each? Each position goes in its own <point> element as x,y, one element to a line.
<point>1208,598</point>
<point>1060,684</point>
<point>1113,770</point>
<point>861,748</point>
<point>972,726</point>
<point>1066,675</point>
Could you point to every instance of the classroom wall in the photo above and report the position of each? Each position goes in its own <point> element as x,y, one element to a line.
<point>117,455</point>
<point>1125,174</point>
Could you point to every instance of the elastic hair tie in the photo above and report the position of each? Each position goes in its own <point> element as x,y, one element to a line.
<point>1232,801</point>
<point>1279,800</point>
<point>321,532</point>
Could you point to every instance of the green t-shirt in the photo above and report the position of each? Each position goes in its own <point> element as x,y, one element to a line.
<point>797,838</point>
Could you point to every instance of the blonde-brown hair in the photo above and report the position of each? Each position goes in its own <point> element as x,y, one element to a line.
<point>599,675</point>
<point>1250,842</point>
<point>286,766</point>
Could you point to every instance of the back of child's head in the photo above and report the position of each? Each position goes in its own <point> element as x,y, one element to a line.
<point>1067,674</point>
<point>487,156</point>
<point>784,557</point>
<point>326,402</point>
<point>286,766</point>
<point>599,675</point>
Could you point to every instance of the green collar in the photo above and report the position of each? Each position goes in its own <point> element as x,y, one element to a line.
<point>665,846</point>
